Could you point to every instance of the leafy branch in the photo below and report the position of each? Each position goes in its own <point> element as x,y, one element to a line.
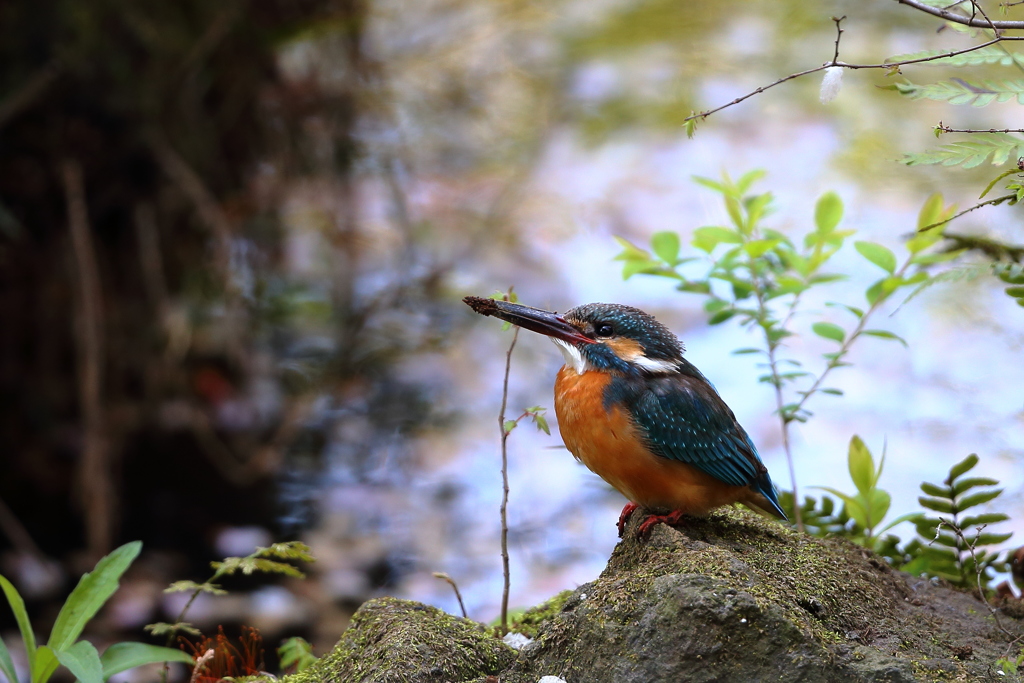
<point>274,559</point>
<point>766,275</point>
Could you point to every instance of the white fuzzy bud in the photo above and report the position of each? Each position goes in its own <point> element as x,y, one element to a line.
<point>831,83</point>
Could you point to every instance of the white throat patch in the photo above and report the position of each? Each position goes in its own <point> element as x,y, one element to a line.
<point>572,355</point>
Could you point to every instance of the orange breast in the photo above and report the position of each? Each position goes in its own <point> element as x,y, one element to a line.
<point>611,446</point>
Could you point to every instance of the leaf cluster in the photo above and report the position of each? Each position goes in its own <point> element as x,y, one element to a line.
<point>953,545</point>
<point>536,414</point>
<point>1013,275</point>
<point>758,275</point>
<point>296,653</point>
<point>63,648</point>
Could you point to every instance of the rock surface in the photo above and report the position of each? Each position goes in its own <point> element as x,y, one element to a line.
<point>732,597</point>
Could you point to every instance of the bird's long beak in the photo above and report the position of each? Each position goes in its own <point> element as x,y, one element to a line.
<point>534,319</point>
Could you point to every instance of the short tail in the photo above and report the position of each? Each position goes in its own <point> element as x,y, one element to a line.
<point>766,497</point>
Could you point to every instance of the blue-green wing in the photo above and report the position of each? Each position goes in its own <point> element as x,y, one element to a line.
<point>685,419</point>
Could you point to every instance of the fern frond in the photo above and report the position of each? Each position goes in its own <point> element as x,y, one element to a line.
<point>959,91</point>
<point>993,54</point>
<point>972,152</point>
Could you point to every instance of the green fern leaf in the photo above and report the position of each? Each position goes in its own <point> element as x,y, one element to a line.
<point>972,152</point>
<point>959,91</point>
<point>992,54</point>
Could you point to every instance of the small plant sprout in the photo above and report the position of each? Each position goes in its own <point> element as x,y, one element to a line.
<point>64,648</point>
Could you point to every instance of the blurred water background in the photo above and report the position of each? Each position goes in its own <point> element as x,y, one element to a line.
<point>289,356</point>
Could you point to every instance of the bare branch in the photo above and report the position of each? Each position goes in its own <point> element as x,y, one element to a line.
<point>504,483</point>
<point>961,19</point>
<point>942,128</point>
<point>884,65</point>
<point>990,202</point>
<point>97,489</point>
<point>839,34</point>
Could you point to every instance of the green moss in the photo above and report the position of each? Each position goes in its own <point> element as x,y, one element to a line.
<point>400,641</point>
<point>529,622</point>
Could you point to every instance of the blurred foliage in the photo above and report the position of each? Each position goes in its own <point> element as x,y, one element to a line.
<point>953,547</point>
<point>64,646</point>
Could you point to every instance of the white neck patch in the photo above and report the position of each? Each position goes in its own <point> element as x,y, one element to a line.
<point>653,365</point>
<point>572,355</point>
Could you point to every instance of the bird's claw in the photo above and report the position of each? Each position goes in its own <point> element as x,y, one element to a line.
<point>628,510</point>
<point>644,530</point>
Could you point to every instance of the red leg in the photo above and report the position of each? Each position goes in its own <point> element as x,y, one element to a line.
<point>624,517</point>
<point>671,518</point>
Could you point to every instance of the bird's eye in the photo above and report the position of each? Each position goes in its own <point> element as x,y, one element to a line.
<point>604,330</point>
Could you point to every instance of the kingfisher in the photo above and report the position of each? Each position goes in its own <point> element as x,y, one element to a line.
<point>641,416</point>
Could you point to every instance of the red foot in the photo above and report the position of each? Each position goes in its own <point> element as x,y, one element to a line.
<point>644,530</point>
<point>624,517</point>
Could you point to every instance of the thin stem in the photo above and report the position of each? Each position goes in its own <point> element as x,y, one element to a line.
<point>839,34</point>
<point>959,18</point>
<point>884,65</point>
<point>451,582</point>
<point>942,128</point>
<point>989,202</point>
<point>504,485</point>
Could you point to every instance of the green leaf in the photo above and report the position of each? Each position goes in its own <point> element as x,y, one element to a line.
<point>296,652</point>
<point>709,237</point>
<point>542,424</point>
<point>739,352</point>
<point>963,466</point>
<point>992,54</point>
<point>749,178</point>
<point>986,518</point>
<point>721,316</point>
<point>854,507</point>
<point>6,665</point>
<point>876,504</point>
<point>828,212</point>
<point>909,517</point>
<point>959,91</point>
<point>834,392</point>
<point>510,425</point>
<point>885,335</point>
<point>973,152</point>
<point>990,539</point>
<point>184,586</point>
<point>966,484</point>
<point>758,248</point>
<point>709,183</point>
<point>45,664</point>
<point>937,491</point>
<point>977,499</point>
<point>21,616</point>
<point>937,504</point>
<point>83,661</point>
<point>879,255</point>
<point>666,246</point>
<point>92,591</point>
<point>123,656</point>
<point>251,565</point>
<point>829,331</point>
<point>162,628</point>
<point>861,464</point>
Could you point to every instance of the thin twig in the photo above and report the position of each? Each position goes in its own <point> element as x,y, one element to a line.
<point>94,473</point>
<point>827,65</point>
<point>942,128</point>
<point>455,587</point>
<point>839,34</point>
<point>989,202</point>
<point>504,484</point>
<point>961,19</point>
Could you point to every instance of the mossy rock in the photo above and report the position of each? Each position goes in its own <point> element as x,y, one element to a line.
<point>732,597</point>
<point>401,641</point>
